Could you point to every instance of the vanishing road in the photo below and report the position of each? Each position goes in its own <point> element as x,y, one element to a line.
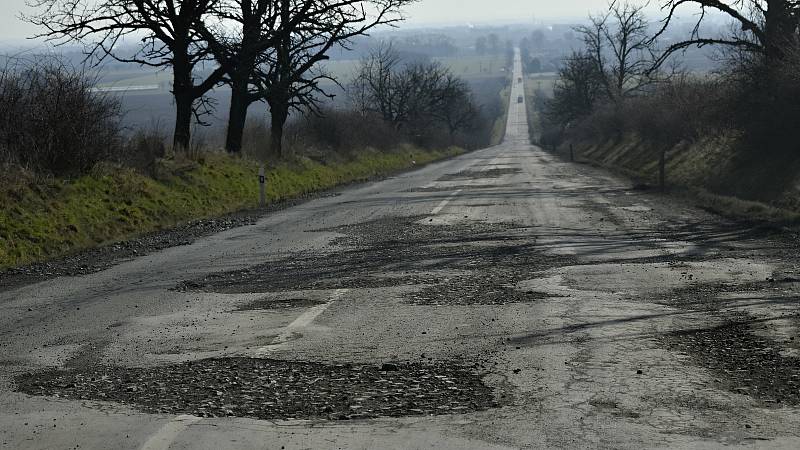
<point>502,299</point>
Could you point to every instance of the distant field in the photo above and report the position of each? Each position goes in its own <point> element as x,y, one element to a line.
<point>476,66</point>
<point>543,81</point>
<point>147,102</point>
<point>342,70</point>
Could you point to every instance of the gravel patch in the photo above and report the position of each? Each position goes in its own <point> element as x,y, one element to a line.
<point>458,264</point>
<point>465,187</point>
<point>281,303</point>
<point>744,362</point>
<point>274,390</point>
<point>479,174</point>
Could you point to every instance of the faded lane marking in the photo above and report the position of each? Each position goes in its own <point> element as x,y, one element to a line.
<point>444,202</point>
<point>169,432</point>
<point>306,319</point>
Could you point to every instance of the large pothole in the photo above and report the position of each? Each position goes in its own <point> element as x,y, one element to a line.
<point>479,174</point>
<point>744,362</point>
<point>457,264</point>
<point>273,389</point>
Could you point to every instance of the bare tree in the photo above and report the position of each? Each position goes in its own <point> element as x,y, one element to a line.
<point>622,48</point>
<point>166,36</point>
<point>764,27</point>
<point>580,85</point>
<point>412,94</point>
<point>289,76</point>
<point>457,109</point>
<point>373,86</point>
<point>246,33</point>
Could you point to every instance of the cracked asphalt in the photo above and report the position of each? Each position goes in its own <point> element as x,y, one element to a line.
<point>501,299</point>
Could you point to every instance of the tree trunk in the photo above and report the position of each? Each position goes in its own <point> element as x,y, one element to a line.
<point>778,29</point>
<point>182,92</point>
<point>279,114</point>
<point>238,115</point>
<point>183,123</point>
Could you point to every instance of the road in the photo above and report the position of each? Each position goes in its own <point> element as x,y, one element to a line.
<point>502,299</point>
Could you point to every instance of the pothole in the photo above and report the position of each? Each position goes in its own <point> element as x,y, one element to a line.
<point>274,390</point>
<point>464,187</point>
<point>475,290</point>
<point>456,264</point>
<point>280,303</point>
<point>478,174</point>
<point>744,362</point>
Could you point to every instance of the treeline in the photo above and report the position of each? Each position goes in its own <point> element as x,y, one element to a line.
<point>264,50</point>
<point>267,51</point>
<point>624,82</point>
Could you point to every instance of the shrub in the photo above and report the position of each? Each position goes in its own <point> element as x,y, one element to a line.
<point>53,121</point>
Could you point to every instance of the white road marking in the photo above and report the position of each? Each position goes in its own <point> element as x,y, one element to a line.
<point>306,319</point>
<point>169,432</point>
<point>444,202</point>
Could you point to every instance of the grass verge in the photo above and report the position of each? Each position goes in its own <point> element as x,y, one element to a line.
<point>46,218</point>
<point>499,129</point>
<point>691,173</point>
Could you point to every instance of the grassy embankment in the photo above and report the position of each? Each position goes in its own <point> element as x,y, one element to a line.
<point>716,173</point>
<point>501,123</point>
<point>46,218</point>
<point>536,86</point>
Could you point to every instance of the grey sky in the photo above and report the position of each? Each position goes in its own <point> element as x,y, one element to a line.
<point>424,12</point>
<point>483,11</point>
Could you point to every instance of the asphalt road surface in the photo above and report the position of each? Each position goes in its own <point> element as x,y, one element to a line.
<point>502,299</point>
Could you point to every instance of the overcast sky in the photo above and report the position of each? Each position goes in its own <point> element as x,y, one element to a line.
<point>425,12</point>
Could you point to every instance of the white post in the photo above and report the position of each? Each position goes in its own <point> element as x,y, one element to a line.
<point>262,183</point>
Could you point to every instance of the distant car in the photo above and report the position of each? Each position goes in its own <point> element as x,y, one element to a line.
<point>519,80</point>
<point>520,99</point>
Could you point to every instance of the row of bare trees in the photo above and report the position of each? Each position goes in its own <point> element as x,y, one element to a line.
<point>265,50</point>
<point>623,80</point>
<point>622,58</point>
<point>412,94</point>
<point>618,61</point>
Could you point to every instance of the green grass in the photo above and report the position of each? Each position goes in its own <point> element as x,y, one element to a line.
<point>710,173</point>
<point>500,125</point>
<point>42,219</point>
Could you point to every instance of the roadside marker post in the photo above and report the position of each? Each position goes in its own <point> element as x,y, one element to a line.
<point>262,184</point>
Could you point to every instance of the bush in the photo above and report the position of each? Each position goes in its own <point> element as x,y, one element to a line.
<point>143,149</point>
<point>53,121</point>
<point>346,131</point>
